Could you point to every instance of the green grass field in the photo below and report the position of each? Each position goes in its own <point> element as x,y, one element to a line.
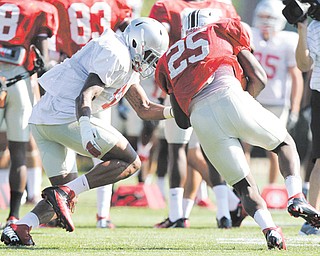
<point>135,234</point>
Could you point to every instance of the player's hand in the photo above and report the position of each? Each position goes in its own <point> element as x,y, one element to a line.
<point>88,135</point>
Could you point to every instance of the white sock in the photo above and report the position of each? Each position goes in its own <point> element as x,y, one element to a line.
<point>104,194</point>
<point>30,219</point>
<point>264,219</point>
<point>161,185</point>
<point>148,179</point>
<point>187,205</point>
<point>221,193</point>
<point>144,150</point>
<point>306,185</point>
<point>175,203</point>
<point>34,182</point>
<point>79,185</point>
<point>202,193</point>
<point>233,200</point>
<point>293,185</point>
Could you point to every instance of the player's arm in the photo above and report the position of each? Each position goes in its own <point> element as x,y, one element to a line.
<point>254,72</point>
<point>303,58</point>
<point>92,88</point>
<point>146,109</point>
<point>297,89</point>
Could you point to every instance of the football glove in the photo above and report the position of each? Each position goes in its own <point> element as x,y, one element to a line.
<point>88,135</point>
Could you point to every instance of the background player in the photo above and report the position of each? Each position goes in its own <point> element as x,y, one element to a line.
<point>24,25</point>
<point>275,50</point>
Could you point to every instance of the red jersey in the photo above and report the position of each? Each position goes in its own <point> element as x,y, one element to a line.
<point>173,12</point>
<point>82,20</point>
<point>185,68</point>
<point>22,21</point>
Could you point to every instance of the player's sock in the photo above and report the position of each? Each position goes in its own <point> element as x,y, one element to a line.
<point>233,200</point>
<point>221,193</point>
<point>30,219</point>
<point>264,219</point>
<point>175,203</point>
<point>293,184</point>
<point>79,185</point>
<point>187,205</point>
<point>202,193</point>
<point>34,181</point>
<point>104,194</point>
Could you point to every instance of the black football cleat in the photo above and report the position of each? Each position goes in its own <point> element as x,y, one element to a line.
<point>224,223</point>
<point>60,198</point>
<point>179,223</point>
<point>275,239</point>
<point>14,235</point>
<point>238,215</point>
<point>299,207</point>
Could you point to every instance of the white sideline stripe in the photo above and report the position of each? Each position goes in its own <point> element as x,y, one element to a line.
<point>291,242</point>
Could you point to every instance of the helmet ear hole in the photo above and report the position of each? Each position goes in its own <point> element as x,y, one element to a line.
<point>134,43</point>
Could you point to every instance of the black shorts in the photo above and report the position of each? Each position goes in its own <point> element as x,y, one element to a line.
<point>315,123</point>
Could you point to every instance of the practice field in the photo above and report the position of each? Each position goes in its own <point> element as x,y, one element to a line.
<point>135,234</point>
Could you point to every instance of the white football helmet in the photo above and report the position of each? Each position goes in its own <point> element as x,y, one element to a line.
<point>147,40</point>
<point>268,16</point>
<point>197,19</point>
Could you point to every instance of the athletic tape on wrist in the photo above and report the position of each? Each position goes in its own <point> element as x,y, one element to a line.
<point>168,112</point>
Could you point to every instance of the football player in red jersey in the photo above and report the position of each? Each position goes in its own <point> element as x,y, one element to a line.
<point>222,113</point>
<point>79,22</point>
<point>25,27</point>
<point>172,14</point>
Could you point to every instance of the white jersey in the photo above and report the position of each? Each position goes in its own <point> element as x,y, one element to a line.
<point>108,57</point>
<point>313,39</point>
<point>276,55</point>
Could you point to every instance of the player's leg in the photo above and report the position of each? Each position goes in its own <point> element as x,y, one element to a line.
<point>177,167</point>
<point>34,172</point>
<point>162,165</point>
<point>104,194</point>
<point>229,125</point>
<point>18,110</point>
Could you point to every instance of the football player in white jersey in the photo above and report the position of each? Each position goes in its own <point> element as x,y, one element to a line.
<point>275,50</point>
<point>95,78</point>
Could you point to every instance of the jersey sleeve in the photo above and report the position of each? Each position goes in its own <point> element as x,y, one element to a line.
<point>235,33</point>
<point>160,13</point>
<point>161,78</point>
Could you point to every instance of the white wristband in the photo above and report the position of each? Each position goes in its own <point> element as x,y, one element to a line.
<point>168,112</point>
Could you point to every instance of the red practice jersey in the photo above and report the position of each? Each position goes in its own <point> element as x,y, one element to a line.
<point>22,21</point>
<point>173,12</point>
<point>82,20</point>
<point>185,68</point>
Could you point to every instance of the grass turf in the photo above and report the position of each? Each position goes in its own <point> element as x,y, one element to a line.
<point>135,234</point>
